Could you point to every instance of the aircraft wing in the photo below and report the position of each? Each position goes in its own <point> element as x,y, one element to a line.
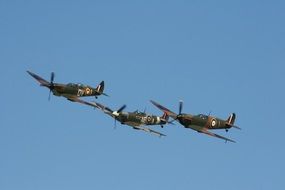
<point>83,102</point>
<point>164,109</point>
<point>149,130</point>
<point>42,81</point>
<point>105,109</point>
<point>205,131</point>
<point>101,107</point>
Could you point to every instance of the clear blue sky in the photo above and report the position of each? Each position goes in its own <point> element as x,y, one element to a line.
<point>219,56</point>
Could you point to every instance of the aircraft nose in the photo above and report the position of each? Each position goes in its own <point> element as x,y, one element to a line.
<point>115,113</point>
<point>181,118</point>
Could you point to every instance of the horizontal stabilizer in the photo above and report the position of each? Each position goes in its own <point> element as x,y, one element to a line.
<point>236,127</point>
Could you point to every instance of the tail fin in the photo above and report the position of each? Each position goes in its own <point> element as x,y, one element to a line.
<point>231,121</point>
<point>100,88</point>
<point>165,116</point>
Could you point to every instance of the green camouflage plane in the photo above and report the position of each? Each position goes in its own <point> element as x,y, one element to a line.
<point>137,120</point>
<point>71,91</point>
<point>200,123</point>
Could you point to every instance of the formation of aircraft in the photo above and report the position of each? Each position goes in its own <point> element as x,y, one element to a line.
<point>139,120</point>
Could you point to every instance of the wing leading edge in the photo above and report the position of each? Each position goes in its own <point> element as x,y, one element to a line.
<point>164,109</point>
<point>42,81</point>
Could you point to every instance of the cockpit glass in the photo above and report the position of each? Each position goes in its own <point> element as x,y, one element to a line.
<point>202,116</point>
<point>70,84</point>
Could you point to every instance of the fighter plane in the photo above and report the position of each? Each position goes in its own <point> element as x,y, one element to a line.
<point>71,91</point>
<point>137,120</point>
<point>200,123</point>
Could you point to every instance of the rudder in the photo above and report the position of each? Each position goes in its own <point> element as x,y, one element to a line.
<point>231,119</point>
<point>165,116</point>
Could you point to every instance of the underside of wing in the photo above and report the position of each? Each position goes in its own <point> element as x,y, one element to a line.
<point>149,130</point>
<point>164,109</point>
<point>101,107</point>
<point>42,81</point>
<point>75,99</point>
<point>205,131</point>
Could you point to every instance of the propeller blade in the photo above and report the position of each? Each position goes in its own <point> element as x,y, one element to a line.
<point>49,95</point>
<point>52,77</point>
<point>51,86</point>
<point>180,107</point>
<point>121,109</point>
<point>115,124</point>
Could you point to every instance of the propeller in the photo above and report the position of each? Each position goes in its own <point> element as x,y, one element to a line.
<point>180,107</point>
<point>179,115</point>
<point>117,113</point>
<point>121,109</point>
<point>115,123</point>
<point>52,77</point>
<point>51,87</point>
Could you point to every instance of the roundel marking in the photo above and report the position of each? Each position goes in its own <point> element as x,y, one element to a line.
<point>87,90</point>
<point>214,122</point>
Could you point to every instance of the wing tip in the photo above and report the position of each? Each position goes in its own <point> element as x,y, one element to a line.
<point>29,72</point>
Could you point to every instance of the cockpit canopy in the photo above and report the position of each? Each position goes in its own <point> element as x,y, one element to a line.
<point>75,85</point>
<point>202,116</point>
<point>139,113</point>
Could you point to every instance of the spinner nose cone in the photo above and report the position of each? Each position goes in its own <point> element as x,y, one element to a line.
<point>115,113</point>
